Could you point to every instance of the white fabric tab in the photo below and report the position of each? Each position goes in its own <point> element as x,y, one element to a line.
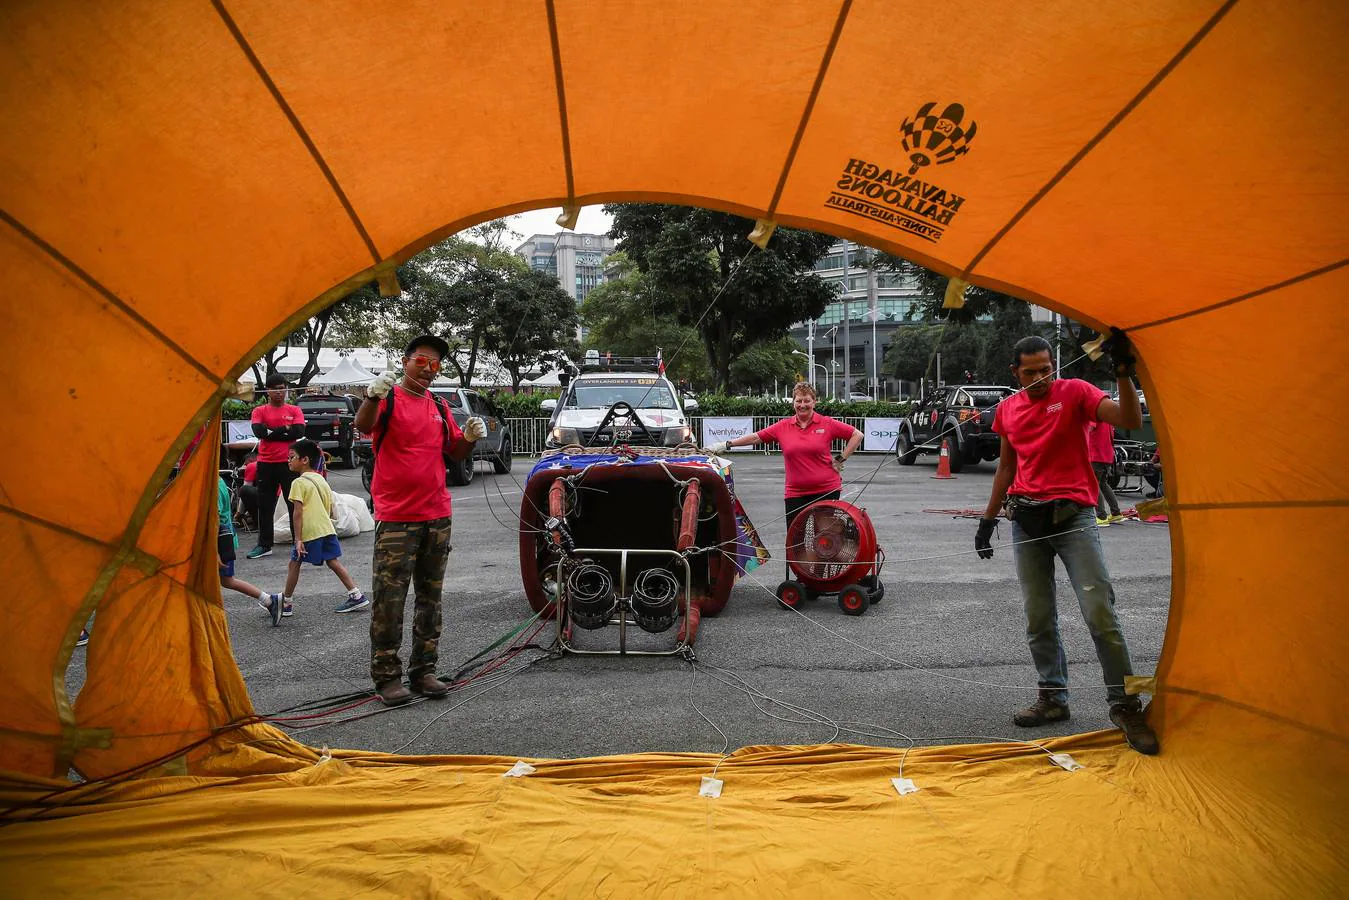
<point>904,786</point>
<point>711,787</point>
<point>519,769</point>
<point>1065,761</point>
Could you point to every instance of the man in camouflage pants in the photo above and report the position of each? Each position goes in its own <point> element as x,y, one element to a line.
<point>412,432</point>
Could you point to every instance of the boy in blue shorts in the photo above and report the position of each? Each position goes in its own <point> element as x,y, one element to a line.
<point>312,527</point>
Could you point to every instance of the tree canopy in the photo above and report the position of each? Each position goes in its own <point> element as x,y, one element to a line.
<point>701,268</point>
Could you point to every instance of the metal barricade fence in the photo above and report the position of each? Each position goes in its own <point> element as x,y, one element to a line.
<point>528,435</point>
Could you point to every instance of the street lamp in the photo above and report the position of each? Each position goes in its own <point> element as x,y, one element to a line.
<point>813,366</point>
<point>833,353</point>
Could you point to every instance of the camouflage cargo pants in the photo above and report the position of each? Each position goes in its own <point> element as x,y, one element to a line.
<point>406,552</point>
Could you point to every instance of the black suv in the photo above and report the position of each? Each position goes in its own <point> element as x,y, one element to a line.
<point>960,414</point>
<point>329,421</point>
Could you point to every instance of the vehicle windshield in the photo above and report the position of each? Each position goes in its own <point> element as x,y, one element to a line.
<point>323,405</point>
<point>641,393</point>
<point>986,398</point>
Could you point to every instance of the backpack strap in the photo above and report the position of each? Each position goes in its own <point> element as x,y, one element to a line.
<point>444,420</point>
<point>382,424</point>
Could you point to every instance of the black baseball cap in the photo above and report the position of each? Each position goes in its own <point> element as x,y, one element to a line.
<point>428,340</point>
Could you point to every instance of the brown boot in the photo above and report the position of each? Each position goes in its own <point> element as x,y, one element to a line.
<point>393,693</point>
<point>1044,711</point>
<point>428,685</point>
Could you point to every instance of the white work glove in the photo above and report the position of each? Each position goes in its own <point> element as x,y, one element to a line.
<point>381,386</point>
<point>719,449</point>
<point>475,429</point>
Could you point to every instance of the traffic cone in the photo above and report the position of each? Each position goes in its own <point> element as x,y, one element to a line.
<point>944,461</point>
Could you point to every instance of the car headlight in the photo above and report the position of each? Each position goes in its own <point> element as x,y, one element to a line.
<point>563,436</point>
<point>677,435</point>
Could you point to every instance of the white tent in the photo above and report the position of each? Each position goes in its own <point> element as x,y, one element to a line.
<point>546,380</point>
<point>348,371</point>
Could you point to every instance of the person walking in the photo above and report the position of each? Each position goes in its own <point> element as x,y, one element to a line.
<point>1045,479</point>
<point>313,531</point>
<point>1101,449</point>
<point>805,439</point>
<point>277,424</point>
<point>412,432</point>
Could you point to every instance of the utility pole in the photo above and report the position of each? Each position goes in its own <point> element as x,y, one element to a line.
<point>810,350</point>
<point>847,333</point>
<point>875,314</point>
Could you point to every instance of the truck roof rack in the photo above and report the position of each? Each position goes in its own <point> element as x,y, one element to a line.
<point>609,363</point>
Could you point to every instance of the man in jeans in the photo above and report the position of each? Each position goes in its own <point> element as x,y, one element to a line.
<point>277,424</point>
<point>1045,476</point>
<point>411,434</point>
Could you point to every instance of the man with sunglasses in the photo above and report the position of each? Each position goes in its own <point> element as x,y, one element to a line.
<point>412,432</point>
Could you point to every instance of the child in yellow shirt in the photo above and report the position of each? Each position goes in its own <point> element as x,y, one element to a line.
<point>312,527</point>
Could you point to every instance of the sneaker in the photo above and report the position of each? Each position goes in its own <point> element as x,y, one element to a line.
<point>1116,518</point>
<point>1131,720</point>
<point>84,637</point>
<point>259,552</point>
<point>351,604</point>
<point>1103,523</point>
<point>1042,712</point>
<point>286,609</point>
<point>271,603</point>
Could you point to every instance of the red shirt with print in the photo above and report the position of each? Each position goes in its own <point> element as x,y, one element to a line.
<point>1049,436</point>
<point>282,416</point>
<point>805,453</point>
<point>409,482</point>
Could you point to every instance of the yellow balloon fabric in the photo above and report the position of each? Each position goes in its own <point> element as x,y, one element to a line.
<point>180,184</point>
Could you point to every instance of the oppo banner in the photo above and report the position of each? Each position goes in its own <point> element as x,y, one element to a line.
<point>880,434</point>
<point>726,428</point>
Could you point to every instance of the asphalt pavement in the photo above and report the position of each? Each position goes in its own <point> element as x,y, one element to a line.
<point>942,659</point>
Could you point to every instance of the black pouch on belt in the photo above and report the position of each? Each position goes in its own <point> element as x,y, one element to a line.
<point>1039,518</point>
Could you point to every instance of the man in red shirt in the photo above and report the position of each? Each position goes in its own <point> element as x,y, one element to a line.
<point>412,432</point>
<point>277,424</point>
<point>1101,449</point>
<point>1045,478</point>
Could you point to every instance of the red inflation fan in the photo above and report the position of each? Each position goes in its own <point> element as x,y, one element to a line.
<point>831,548</point>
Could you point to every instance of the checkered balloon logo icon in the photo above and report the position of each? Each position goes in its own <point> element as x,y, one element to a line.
<point>936,138</point>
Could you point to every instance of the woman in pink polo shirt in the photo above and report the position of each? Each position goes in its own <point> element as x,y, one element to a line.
<point>805,439</point>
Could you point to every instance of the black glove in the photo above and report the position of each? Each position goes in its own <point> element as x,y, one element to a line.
<point>982,537</point>
<point>1122,358</point>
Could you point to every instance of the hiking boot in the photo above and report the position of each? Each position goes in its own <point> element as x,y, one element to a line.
<point>429,685</point>
<point>393,693</point>
<point>259,552</point>
<point>351,604</point>
<point>1131,720</point>
<point>1043,711</point>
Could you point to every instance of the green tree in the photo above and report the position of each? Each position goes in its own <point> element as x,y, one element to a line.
<point>768,363</point>
<point>623,317</point>
<point>531,318</point>
<point>692,259</point>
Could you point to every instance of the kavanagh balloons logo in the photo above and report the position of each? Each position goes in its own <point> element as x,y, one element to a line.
<point>930,138</point>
